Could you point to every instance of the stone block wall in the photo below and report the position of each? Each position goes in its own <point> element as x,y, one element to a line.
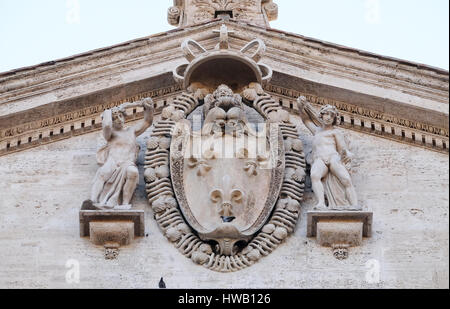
<point>41,191</point>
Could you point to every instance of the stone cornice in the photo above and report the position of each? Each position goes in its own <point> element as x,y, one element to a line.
<point>296,51</point>
<point>93,66</point>
<point>86,119</point>
<point>383,105</point>
<point>298,46</point>
<point>360,111</point>
<point>77,122</point>
<point>408,96</point>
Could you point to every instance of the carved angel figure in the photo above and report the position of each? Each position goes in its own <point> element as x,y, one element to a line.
<point>117,178</point>
<point>330,158</point>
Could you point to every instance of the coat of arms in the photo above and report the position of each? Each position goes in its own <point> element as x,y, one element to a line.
<point>226,190</point>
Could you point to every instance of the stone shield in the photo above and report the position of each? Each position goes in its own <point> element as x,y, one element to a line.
<point>227,186</point>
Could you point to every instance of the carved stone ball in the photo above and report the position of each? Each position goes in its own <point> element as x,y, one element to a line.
<point>289,173</point>
<point>282,204</point>
<point>153,143</point>
<point>163,171</point>
<point>205,248</point>
<point>288,144</point>
<point>293,205</point>
<point>163,203</point>
<point>178,115</point>
<point>173,234</point>
<point>184,228</point>
<point>297,145</point>
<point>280,233</point>
<point>299,175</point>
<point>164,143</point>
<point>199,258</point>
<point>254,255</point>
<point>250,94</point>
<point>268,229</point>
<point>150,175</point>
<point>167,112</point>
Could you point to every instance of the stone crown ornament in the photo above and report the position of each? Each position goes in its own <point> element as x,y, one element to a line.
<point>215,68</point>
<point>225,194</point>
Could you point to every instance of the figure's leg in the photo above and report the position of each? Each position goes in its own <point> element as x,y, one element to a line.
<point>96,190</point>
<point>338,169</point>
<point>130,184</point>
<point>99,183</point>
<point>318,171</point>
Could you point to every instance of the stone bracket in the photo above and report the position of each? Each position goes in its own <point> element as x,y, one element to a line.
<point>112,229</point>
<point>339,230</point>
<point>359,216</point>
<point>136,216</point>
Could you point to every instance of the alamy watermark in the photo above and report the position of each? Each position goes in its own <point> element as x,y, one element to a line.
<point>73,12</point>
<point>73,272</point>
<point>373,11</point>
<point>373,273</point>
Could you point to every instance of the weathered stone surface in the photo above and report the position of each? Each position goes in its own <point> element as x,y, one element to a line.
<point>36,103</point>
<point>191,12</point>
<point>135,216</point>
<point>406,187</point>
<point>120,232</point>
<point>315,217</point>
<point>331,233</point>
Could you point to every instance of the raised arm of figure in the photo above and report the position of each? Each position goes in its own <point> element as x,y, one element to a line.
<point>306,115</point>
<point>107,124</point>
<point>148,106</point>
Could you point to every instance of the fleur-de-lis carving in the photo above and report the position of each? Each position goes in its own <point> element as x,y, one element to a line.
<point>251,167</point>
<point>227,198</point>
<point>201,164</point>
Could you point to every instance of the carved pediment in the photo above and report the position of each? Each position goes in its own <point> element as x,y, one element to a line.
<point>406,103</point>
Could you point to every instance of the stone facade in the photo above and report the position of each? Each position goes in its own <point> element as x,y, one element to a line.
<point>405,187</point>
<point>390,116</point>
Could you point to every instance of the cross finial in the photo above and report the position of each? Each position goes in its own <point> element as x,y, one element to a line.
<point>224,36</point>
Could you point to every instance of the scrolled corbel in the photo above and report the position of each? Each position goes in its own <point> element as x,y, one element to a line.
<point>173,15</point>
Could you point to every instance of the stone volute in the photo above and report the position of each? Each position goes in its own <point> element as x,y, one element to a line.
<point>192,12</point>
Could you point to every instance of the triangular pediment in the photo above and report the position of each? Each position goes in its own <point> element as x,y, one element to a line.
<point>377,95</point>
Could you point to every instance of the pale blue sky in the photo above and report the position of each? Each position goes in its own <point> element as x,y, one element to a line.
<point>35,31</point>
